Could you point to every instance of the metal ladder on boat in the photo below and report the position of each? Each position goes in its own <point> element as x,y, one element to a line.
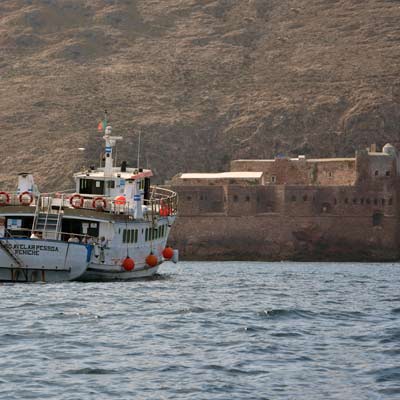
<point>46,220</point>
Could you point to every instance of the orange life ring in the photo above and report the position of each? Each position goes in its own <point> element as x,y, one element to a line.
<point>7,198</point>
<point>73,203</point>
<point>101,206</point>
<point>21,198</point>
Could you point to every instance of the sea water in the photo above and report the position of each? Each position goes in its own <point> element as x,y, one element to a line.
<point>215,330</point>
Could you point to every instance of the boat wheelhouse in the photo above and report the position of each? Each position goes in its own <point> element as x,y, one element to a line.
<point>113,226</point>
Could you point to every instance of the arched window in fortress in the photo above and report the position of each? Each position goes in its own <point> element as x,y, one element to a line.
<point>376,173</point>
<point>247,198</point>
<point>383,202</point>
<point>188,198</point>
<point>354,201</point>
<point>361,201</point>
<point>375,202</point>
<point>235,198</point>
<point>390,201</point>
<point>293,198</point>
<point>368,201</point>
<point>346,201</point>
<point>387,173</point>
<point>305,198</point>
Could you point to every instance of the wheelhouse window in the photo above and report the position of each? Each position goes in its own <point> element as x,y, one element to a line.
<point>91,186</point>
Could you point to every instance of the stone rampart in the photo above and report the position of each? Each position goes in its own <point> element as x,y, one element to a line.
<point>332,209</point>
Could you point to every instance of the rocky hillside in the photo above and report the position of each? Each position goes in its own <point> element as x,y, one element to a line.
<point>205,81</point>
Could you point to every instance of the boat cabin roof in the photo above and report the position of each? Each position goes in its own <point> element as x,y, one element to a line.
<point>130,173</point>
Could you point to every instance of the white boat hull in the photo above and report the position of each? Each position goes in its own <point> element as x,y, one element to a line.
<point>94,272</point>
<point>41,260</point>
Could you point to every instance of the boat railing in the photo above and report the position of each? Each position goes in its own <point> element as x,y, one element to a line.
<point>39,201</point>
<point>161,202</point>
<point>42,234</point>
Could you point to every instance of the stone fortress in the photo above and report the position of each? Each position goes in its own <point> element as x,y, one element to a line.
<point>292,209</point>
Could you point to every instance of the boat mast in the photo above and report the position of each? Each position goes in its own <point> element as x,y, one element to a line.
<point>108,152</point>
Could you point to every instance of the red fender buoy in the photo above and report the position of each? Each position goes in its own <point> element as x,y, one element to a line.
<point>120,201</point>
<point>128,264</point>
<point>168,253</point>
<point>151,260</point>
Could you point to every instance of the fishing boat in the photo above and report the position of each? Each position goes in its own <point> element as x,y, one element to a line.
<point>114,225</point>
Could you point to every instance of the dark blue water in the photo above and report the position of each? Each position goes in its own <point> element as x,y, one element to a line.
<point>207,331</point>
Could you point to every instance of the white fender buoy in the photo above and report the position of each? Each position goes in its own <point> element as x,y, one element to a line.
<point>175,257</point>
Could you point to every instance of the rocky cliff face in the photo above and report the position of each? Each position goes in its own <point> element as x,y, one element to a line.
<point>204,81</point>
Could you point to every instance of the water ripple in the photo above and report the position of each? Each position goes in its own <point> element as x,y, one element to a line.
<point>206,331</point>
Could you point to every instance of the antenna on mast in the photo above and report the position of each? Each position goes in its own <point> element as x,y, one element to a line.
<point>138,150</point>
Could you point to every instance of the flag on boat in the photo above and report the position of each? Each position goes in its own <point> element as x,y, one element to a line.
<point>101,127</point>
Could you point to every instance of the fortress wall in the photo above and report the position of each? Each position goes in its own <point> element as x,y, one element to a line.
<point>270,199</point>
<point>197,200</point>
<point>241,200</point>
<point>285,171</point>
<point>237,200</point>
<point>332,172</point>
<point>277,237</point>
<point>319,209</point>
<point>286,222</point>
<point>339,201</point>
